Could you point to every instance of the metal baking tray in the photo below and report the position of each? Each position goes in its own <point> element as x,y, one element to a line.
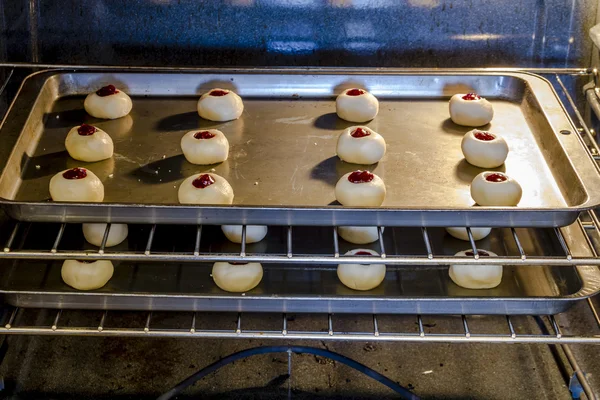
<point>282,163</point>
<point>305,288</point>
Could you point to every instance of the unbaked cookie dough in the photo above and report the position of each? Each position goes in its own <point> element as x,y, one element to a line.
<point>88,143</point>
<point>205,147</point>
<point>470,109</point>
<point>360,145</point>
<point>461,233</point>
<point>108,103</point>
<point>361,276</point>
<point>220,105</point>
<point>94,233</point>
<point>205,189</point>
<point>495,189</point>
<point>254,233</point>
<point>359,234</point>
<point>356,105</point>
<point>237,277</point>
<point>85,275</point>
<point>480,276</point>
<point>360,189</point>
<point>484,149</point>
<point>76,184</point>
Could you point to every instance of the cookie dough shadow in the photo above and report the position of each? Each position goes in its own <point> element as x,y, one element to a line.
<point>187,121</point>
<point>467,172</point>
<point>68,118</point>
<point>450,127</point>
<point>332,122</point>
<point>169,169</point>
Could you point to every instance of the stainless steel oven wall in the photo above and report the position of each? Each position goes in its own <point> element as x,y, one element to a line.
<point>429,33</point>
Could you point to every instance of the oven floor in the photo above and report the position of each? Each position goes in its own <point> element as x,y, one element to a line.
<point>129,368</point>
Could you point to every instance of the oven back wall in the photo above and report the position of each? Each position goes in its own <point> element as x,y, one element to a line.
<point>390,33</point>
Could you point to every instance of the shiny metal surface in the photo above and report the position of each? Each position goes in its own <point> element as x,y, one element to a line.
<point>282,161</point>
<point>303,281</point>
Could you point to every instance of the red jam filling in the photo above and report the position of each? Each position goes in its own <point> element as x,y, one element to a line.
<point>86,130</point>
<point>87,261</point>
<point>485,136</point>
<point>480,252</point>
<point>362,253</point>
<point>355,92</point>
<point>75,173</point>
<point>361,177</point>
<point>204,135</point>
<point>107,91</point>
<point>360,132</point>
<point>471,96</point>
<point>496,178</point>
<point>238,263</point>
<point>203,181</point>
<point>219,93</point>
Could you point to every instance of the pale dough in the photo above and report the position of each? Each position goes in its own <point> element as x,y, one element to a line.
<point>200,148</point>
<point>361,108</point>
<point>113,106</point>
<point>364,194</point>
<point>237,277</point>
<point>368,149</point>
<point>476,112</point>
<point>94,233</point>
<point>361,276</point>
<point>484,153</point>
<point>220,108</point>
<point>486,193</point>
<point>479,276</point>
<point>254,233</point>
<point>461,233</point>
<point>86,275</point>
<point>86,189</point>
<point>89,148</point>
<point>359,234</point>
<point>220,192</point>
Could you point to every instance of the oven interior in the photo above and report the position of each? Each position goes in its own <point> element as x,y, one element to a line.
<point>160,318</point>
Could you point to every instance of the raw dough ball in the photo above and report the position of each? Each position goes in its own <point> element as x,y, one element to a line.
<point>359,234</point>
<point>86,275</point>
<point>205,147</point>
<point>108,103</point>
<point>94,233</point>
<point>360,189</point>
<point>220,105</point>
<point>254,233</point>
<point>237,277</point>
<point>495,189</point>
<point>76,184</point>
<point>356,105</point>
<point>88,143</point>
<point>476,276</point>
<point>205,189</point>
<point>361,276</point>
<point>360,145</point>
<point>484,149</point>
<point>470,110</point>
<point>461,233</point>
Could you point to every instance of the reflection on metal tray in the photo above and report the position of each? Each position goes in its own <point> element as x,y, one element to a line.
<point>306,288</point>
<point>282,163</point>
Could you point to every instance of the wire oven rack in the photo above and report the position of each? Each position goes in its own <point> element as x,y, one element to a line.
<point>498,329</point>
<point>589,221</point>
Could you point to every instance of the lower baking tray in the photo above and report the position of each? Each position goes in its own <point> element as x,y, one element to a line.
<point>307,288</point>
<point>282,162</point>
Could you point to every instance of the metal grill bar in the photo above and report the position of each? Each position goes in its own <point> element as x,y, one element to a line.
<point>333,258</point>
<point>12,327</point>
